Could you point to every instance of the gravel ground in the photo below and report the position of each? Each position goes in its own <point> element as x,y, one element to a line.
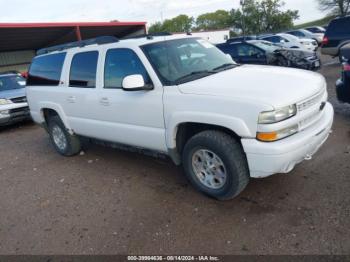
<point>107,201</point>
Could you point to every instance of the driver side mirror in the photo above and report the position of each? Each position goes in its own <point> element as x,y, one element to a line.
<point>135,83</point>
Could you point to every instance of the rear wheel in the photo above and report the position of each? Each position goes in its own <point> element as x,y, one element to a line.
<point>215,164</point>
<point>64,143</point>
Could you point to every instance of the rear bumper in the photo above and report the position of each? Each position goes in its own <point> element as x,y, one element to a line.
<point>332,51</point>
<point>14,113</point>
<point>266,159</point>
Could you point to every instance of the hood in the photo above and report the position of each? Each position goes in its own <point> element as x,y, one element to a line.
<point>270,85</point>
<point>297,53</point>
<point>13,93</point>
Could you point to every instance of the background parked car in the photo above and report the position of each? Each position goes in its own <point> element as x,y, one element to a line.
<point>316,29</point>
<point>266,53</point>
<point>337,35</point>
<point>291,41</point>
<point>13,101</point>
<point>302,33</point>
<point>343,84</point>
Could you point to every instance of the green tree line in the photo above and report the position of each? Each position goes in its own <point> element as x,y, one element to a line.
<point>254,17</point>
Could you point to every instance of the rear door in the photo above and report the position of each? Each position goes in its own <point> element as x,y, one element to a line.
<point>80,92</point>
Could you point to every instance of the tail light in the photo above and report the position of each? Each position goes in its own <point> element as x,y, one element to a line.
<point>325,41</point>
<point>346,67</point>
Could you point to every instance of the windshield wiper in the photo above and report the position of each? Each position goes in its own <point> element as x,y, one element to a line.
<point>225,67</point>
<point>194,75</point>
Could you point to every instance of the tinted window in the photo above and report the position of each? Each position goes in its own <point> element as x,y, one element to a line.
<point>46,70</point>
<point>339,26</point>
<point>297,33</point>
<point>230,49</point>
<point>121,63</point>
<point>248,50</point>
<point>11,82</point>
<point>83,70</point>
<point>275,39</point>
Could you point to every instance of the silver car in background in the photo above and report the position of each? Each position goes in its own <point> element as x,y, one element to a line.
<point>13,102</point>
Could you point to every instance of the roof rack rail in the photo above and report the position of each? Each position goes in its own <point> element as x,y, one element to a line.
<point>101,40</point>
<point>148,36</point>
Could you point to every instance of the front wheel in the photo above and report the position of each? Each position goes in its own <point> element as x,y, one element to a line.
<point>64,143</point>
<point>215,164</point>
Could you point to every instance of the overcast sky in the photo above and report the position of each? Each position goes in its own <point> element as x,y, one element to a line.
<point>127,10</point>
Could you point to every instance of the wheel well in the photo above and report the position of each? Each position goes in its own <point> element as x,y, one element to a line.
<point>47,113</point>
<point>187,130</point>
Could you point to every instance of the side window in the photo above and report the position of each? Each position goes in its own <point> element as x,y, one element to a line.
<point>120,63</point>
<point>248,50</point>
<point>272,39</point>
<point>233,50</point>
<point>46,70</point>
<point>83,70</point>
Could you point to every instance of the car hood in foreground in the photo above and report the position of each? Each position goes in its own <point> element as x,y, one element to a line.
<point>275,86</point>
<point>13,93</point>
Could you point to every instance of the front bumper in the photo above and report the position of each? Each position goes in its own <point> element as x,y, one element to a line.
<point>14,113</point>
<point>266,159</point>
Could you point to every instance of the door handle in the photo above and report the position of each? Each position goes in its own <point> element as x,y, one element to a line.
<point>104,101</point>
<point>71,99</point>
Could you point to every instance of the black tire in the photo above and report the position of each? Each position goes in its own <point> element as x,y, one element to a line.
<point>230,153</point>
<point>73,143</point>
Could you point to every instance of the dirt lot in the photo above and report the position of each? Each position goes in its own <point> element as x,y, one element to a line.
<point>113,202</point>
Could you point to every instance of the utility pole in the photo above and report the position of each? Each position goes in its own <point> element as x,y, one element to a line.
<point>243,16</point>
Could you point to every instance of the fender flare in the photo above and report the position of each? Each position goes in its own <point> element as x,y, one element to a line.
<point>58,109</point>
<point>235,124</point>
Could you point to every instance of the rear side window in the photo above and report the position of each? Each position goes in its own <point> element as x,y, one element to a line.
<point>46,70</point>
<point>339,26</point>
<point>120,63</point>
<point>83,70</point>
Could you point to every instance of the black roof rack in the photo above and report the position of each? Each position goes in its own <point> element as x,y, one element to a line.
<point>93,41</point>
<point>148,36</point>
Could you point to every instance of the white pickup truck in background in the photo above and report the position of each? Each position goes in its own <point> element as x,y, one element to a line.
<point>181,96</point>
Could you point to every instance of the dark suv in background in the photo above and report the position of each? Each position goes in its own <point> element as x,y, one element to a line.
<point>337,35</point>
<point>343,84</point>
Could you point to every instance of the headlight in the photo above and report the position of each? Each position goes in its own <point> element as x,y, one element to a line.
<point>278,115</point>
<point>274,136</point>
<point>5,101</point>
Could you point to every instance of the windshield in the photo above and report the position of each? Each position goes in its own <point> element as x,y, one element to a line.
<point>183,60</point>
<point>11,82</point>
<point>267,46</point>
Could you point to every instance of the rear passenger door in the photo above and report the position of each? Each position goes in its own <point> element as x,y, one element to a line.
<point>80,80</point>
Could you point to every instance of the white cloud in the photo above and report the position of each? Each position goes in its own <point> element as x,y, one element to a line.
<point>126,10</point>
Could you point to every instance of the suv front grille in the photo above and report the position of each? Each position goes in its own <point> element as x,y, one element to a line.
<point>310,102</point>
<point>20,110</point>
<point>22,99</point>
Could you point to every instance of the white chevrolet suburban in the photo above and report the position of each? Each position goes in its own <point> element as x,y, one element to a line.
<point>181,96</point>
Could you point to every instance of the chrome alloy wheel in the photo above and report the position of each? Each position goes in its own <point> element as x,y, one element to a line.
<point>209,169</point>
<point>59,138</point>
